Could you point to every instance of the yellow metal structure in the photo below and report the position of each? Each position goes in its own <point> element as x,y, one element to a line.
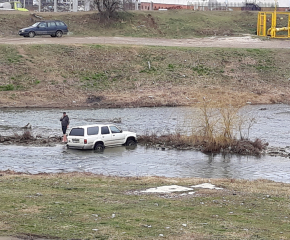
<point>264,18</point>
<point>18,6</point>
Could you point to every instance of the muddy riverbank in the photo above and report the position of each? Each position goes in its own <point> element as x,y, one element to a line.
<point>29,140</point>
<point>103,76</point>
<point>243,147</point>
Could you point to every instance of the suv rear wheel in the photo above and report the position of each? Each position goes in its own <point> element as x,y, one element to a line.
<point>99,147</point>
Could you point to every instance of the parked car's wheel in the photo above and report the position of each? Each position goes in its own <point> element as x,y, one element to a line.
<point>99,147</point>
<point>31,34</point>
<point>131,142</point>
<point>58,33</point>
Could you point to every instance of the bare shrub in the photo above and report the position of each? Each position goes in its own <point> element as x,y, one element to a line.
<point>214,129</point>
<point>259,144</point>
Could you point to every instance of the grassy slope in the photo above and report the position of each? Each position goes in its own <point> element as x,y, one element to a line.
<point>63,206</point>
<point>55,74</point>
<point>169,24</point>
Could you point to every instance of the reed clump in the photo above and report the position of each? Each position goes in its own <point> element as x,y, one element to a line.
<point>215,128</point>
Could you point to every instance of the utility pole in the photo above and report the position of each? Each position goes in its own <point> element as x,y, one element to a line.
<point>39,5</point>
<point>75,5</point>
<point>55,5</point>
<point>87,5</point>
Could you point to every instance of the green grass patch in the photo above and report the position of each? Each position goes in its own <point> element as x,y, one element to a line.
<point>8,87</point>
<point>75,205</point>
<point>9,54</point>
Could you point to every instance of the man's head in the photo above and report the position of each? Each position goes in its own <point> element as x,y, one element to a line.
<point>64,113</point>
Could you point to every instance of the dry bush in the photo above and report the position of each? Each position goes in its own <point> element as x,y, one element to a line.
<point>223,128</point>
<point>216,127</point>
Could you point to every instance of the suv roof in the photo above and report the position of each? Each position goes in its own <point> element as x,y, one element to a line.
<point>95,125</point>
<point>50,21</point>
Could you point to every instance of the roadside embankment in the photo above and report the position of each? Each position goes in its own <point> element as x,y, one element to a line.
<point>102,76</point>
<point>86,206</point>
<point>166,24</point>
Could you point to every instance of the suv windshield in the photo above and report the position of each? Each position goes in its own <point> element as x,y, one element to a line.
<point>77,132</point>
<point>35,24</point>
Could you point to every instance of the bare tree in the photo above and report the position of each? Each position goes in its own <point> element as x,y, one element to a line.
<point>107,7</point>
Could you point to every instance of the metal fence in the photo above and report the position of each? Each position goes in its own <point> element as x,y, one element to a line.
<point>88,5</point>
<point>69,5</point>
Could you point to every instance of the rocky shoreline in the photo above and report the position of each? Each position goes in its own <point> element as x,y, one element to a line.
<point>30,140</point>
<point>278,151</point>
<point>270,150</point>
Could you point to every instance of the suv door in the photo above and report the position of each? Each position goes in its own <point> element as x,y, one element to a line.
<point>118,137</point>
<point>41,28</point>
<point>106,136</point>
<point>51,28</point>
<point>92,134</point>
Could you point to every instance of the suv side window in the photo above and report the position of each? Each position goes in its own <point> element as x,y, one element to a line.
<point>115,129</point>
<point>42,25</point>
<point>59,23</point>
<point>105,130</point>
<point>93,130</point>
<point>51,24</point>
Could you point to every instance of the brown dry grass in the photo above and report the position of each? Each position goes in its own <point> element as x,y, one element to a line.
<point>57,76</point>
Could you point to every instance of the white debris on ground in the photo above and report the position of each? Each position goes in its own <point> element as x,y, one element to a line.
<point>206,185</point>
<point>176,188</point>
<point>167,189</point>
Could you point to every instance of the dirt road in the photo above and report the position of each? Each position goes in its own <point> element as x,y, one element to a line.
<point>225,42</point>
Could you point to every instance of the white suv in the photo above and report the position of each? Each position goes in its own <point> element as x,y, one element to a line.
<point>99,136</point>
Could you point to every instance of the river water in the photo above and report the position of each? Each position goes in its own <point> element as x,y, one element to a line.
<point>271,125</point>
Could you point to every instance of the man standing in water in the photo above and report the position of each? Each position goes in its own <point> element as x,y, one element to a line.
<point>64,125</point>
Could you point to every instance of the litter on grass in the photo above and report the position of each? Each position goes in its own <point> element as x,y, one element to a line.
<point>206,185</point>
<point>176,188</point>
<point>167,189</point>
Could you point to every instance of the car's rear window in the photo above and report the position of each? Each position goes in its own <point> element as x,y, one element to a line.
<point>93,130</point>
<point>77,132</point>
<point>60,24</point>
<point>51,24</point>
